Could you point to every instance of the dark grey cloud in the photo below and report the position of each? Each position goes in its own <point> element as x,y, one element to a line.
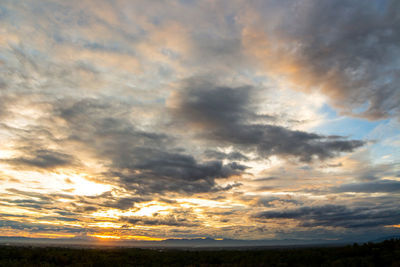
<point>123,203</point>
<point>47,203</point>
<point>349,49</point>
<point>218,155</point>
<point>384,186</point>
<point>58,218</point>
<point>29,203</point>
<point>225,115</point>
<point>154,221</point>
<point>41,196</point>
<point>375,172</point>
<point>65,213</point>
<point>41,158</point>
<point>106,200</point>
<point>160,171</point>
<point>38,227</point>
<point>182,167</point>
<point>13,215</point>
<point>90,208</point>
<point>337,216</point>
<point>271,201</point>
<point>265,179</point>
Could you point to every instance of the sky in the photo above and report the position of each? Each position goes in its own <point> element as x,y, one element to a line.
<point>154,120</point>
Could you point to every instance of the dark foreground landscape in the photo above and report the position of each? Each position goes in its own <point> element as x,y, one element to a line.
<point>386,253</point>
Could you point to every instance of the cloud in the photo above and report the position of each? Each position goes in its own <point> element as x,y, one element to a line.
<point>337,216</point>
<point>276,201</point>
<point>167,221</point>
<point>38,227</point>
<point>42,158</point>
<point>192,105</point>
<point>122,203</point>
<point>226,115</point>
<point>209,153</point>
<point>345,49</point>
<point>27,203</point>
<point>384,186</point>
<point>28,194</point>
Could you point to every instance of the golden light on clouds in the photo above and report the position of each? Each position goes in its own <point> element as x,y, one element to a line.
<point>54,235</point>
<point>82,186</point>
<point>108,236</point>
<point>151,208</point>
<point>141,120</point>
<point>105,236</point>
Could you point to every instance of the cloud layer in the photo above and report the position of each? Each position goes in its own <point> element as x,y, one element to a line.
<point>229,119</point>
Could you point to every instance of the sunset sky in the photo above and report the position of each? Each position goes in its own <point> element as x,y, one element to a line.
<point>153,120</point>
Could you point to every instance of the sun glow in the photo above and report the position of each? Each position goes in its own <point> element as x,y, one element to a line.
<point>112,213</point>
<point>150,209</point>
<point>83,186</point>
<point>106,224</point>
<point>24,233</point>
<point>143,238</point>
<point>142,209</point>
<point>58,182</point>
<point>395,226</point>
<point>51,235</point>
<point>105,236</point>
<point>126,237</point>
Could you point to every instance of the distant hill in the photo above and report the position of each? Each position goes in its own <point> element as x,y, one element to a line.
<point>381,239</point>
<point>173,243</point>
<point>195,243</point>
